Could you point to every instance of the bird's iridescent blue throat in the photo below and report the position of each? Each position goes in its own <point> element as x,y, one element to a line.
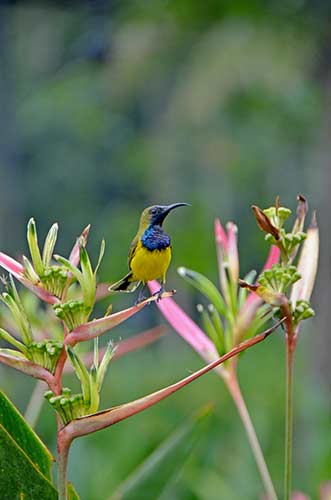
<point>155,238</point>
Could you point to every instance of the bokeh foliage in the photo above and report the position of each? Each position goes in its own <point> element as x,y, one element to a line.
<point>111,106</point>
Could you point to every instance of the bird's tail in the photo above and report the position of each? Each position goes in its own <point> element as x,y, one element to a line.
<point>126,284</point>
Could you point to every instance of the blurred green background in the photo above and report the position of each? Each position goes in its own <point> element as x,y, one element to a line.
<point>109,106</point>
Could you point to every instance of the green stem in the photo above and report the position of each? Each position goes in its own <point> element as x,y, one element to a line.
<point>290,347</point>
<point>234,389</point>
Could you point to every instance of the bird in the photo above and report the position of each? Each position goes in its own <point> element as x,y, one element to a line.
<point>150,252</point>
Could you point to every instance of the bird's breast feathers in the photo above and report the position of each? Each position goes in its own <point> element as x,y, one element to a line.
<point>147,265</point>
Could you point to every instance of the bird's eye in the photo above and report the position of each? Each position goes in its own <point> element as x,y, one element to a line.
<point>153,211</point>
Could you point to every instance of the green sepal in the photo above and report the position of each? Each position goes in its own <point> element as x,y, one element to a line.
<point>49,245</point>
<point>14,342</point>
<point>209,327</point>
<point>81,373</point>
<point>34,247</point>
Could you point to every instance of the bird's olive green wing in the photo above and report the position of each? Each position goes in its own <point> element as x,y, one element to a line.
<point>132,250</point>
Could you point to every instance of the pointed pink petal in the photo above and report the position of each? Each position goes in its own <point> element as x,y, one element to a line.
<point>11,265</point>
<point>16,269</point>
<point>81,241</point>
<point>97,327</point>
<point>233,258</point>
<point>25,366</point>
<point>221,237</point>
<point>102,419</point>
<point>273,257</point>
<point>222,247</point>
<point>40,292</point>
<point>183,324</point>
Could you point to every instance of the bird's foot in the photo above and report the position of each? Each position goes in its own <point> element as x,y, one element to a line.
<point>141,297</point>
<point>159,294</point>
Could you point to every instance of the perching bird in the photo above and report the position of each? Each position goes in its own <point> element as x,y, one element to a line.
<point>150,252</point>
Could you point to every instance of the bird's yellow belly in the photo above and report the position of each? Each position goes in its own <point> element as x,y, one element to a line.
<point>149,265</point>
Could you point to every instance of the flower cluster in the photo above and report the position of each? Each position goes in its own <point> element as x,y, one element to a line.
<point>272,284</point>
<point>43,339</point>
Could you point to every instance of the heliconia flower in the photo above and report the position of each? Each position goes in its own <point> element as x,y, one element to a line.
<point>186,327</point>
<point>227,257</point>
<point>43,279</point>
<point>80,242</point>
<point>17,270</point>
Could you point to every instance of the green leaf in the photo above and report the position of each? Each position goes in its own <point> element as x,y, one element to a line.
<point>72,493</point>
<point>206,287</point>
<point>25,461</point>
<point>13,422</point>
<point>151,477</point>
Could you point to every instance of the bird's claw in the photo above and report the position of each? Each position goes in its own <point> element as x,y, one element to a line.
<point>159,294</point>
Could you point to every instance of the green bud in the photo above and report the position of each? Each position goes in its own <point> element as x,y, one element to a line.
<point>277,215</point>
<point>303,310</point>
<point>54,280</point>
<point>74,313</point>
<point>45,353</point>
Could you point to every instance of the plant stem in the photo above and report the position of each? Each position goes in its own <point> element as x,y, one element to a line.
<point>62,464</point>
<point>234,389</point>
<point>290,347</point>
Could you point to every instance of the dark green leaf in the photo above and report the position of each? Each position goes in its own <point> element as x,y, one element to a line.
<point>19,477</point>
<point>24,437</point>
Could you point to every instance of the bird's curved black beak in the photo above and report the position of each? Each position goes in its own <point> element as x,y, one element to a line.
<point>168,208</point>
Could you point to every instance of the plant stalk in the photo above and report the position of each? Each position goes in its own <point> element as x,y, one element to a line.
<point>63,447</point>
<point>290,348</point>
<point>234,389</point>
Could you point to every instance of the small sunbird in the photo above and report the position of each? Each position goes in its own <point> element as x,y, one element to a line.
<point>150,252</point>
